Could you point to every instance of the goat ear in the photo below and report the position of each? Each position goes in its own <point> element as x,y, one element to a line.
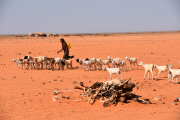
<point>77,60</point>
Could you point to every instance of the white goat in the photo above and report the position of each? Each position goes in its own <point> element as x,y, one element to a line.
<point>162,69</point>
<point>112,71</point>
<point>31,63</point>
<point>132,61</point>
<point>58,62</point>
<point>46,64</point>
<point>51,62</point>
<point>115,62</point>
<point>18,62</point>
<point>86,64</point>
<point>123,63</point>
<point>148,67</point>
<point>81,62</point>
<point>174,73</point>
<point>105,62</point>
<point>24,62</point>
<point>98,64</point>
<point>67,62</point>
<point>37,60</point>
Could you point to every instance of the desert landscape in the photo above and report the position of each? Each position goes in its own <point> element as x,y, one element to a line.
<point>28,94</point>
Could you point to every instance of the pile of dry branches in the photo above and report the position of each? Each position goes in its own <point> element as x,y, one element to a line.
<point>111,93</point>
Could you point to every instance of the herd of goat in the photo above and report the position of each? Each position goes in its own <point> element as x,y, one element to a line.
<point>43,62</point>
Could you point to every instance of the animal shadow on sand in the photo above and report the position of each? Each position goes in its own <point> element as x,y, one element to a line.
<point>74,68</point>
<point>159,79</point>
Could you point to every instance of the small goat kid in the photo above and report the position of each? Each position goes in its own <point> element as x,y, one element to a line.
<point>58,62</point>
<point>18,62</point>
<point>67,63</point>
<point>174,73</point>
<point>162,69</point>
<point>87,64</point>
<point>112,71</point>
<point>105,62</point>
<point>24,62</point>
<point>148,67</point>
<point>81,62</point>
<point>132,61</point>
<point>115,61</point>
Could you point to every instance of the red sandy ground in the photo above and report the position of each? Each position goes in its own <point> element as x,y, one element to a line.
<point>27,94</point>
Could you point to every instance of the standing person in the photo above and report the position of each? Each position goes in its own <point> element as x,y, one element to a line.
<point>66,51</point>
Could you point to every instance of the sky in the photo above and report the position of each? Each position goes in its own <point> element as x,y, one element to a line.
<point>88,16</point>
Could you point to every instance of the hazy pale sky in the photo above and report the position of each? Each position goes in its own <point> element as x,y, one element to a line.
<point>88,16</point>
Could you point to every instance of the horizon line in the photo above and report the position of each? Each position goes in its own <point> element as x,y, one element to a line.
<point>96,33</point>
